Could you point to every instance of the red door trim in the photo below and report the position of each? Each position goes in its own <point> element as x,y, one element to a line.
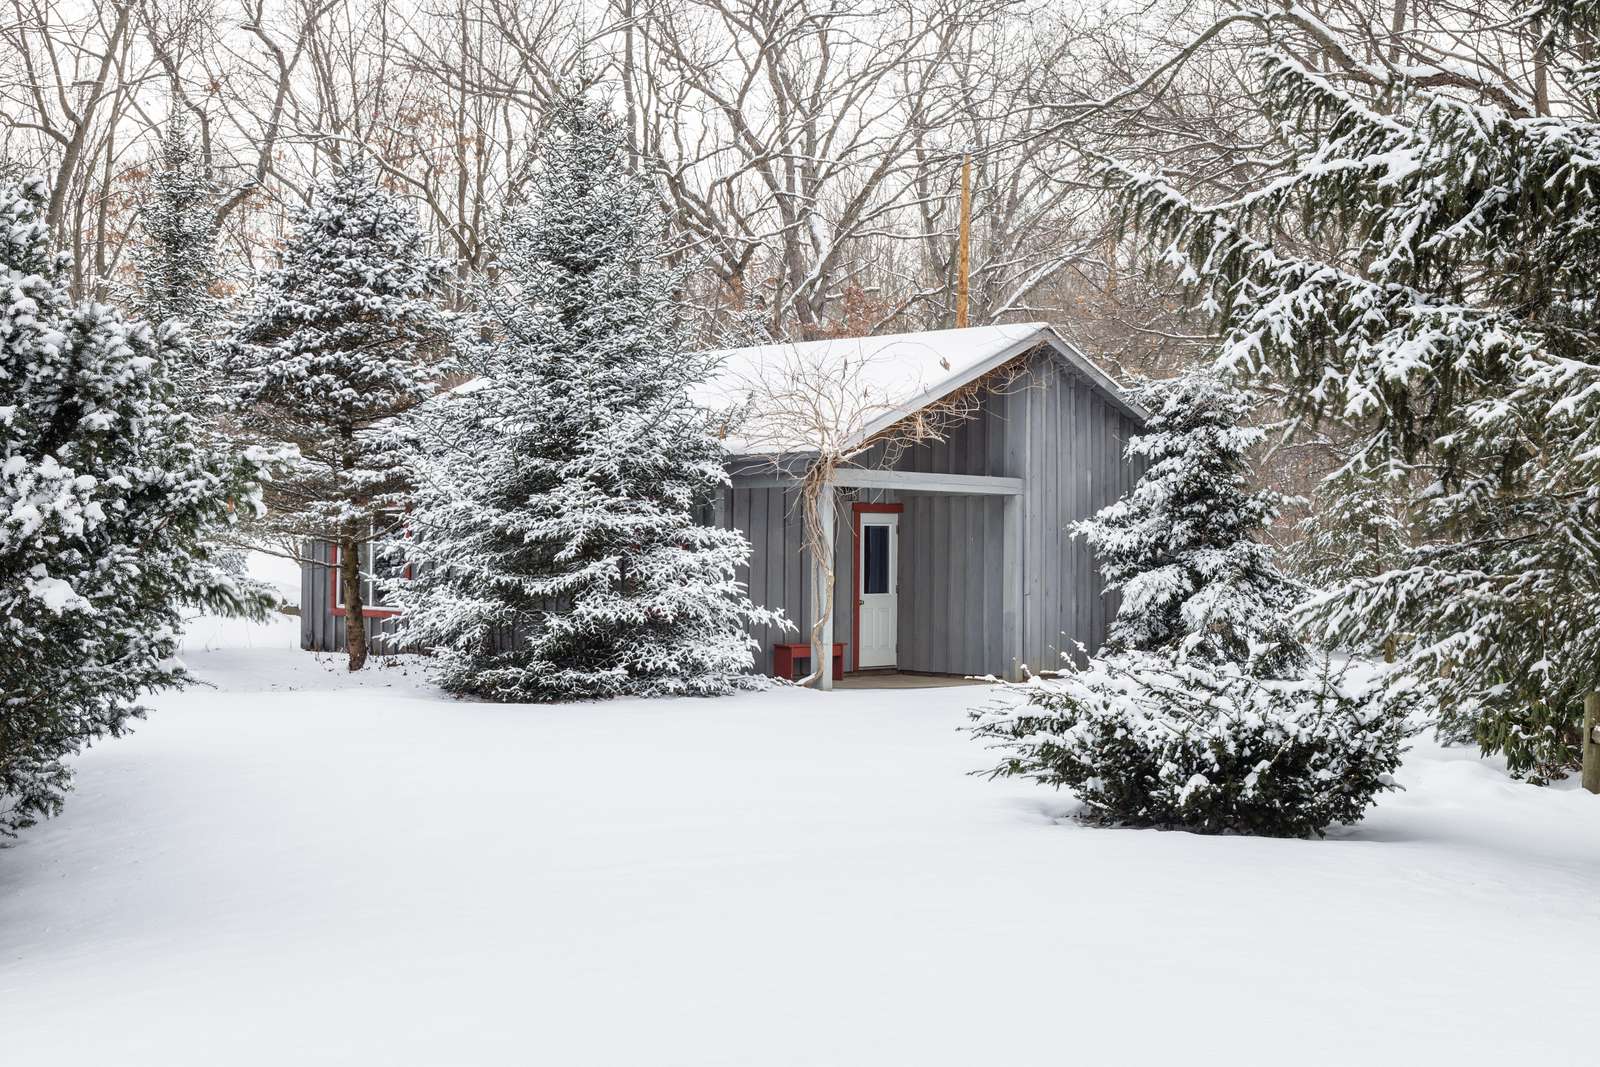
<point>856,511</point>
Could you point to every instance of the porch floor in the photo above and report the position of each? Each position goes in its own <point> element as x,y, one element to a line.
<point>897,680</point>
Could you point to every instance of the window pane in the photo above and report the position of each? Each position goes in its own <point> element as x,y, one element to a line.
<point>384,565</point>
<point>875,565</point>
<point>388,564</point>
<point>385,571</point>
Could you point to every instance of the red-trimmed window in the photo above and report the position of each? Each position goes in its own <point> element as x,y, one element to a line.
<point>376,577</point>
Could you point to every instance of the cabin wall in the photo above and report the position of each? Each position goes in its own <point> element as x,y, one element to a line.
<point>950,596</point>
<point>1066,441</point>
<point>321,630</point>
<point>777,575</point>
<point>1060,434</point>
<point>950,593</point>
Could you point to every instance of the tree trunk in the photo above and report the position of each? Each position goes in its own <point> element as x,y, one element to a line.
<point>1591,742</point>
<point>355,622</point>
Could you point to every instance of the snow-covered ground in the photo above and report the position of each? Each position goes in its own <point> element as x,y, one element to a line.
<point>300,867</point>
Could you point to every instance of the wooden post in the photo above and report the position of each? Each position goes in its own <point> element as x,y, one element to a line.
<point>1011,586</point>
<point>822,658</point>
<point>1591,743</point>
<point>964,246</point>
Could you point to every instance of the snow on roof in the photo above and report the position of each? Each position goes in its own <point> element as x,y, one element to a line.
<point>803,397</point>
<point>833,394</point>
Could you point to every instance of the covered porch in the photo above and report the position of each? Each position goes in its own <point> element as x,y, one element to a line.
<point>927,572</point>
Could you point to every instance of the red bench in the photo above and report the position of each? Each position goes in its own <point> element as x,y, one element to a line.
<point>784,658</point>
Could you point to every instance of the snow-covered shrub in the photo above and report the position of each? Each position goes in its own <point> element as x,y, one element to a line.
<point>1183,547</point>
<point>108,502</point>
<point>1541,744</point>
<point>1142,740</point>
<point>1200,712</point>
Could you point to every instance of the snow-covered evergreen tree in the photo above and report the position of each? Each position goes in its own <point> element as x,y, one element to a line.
<point>1147,739</point>
<point>107,502</point>
<point>178,274</point>
<point>1201,712</point>
<point>177,262</point>
<point>1182,547</point>
<point>342,339</point>
<point>1453,325</point>
<point>553,545</point>
<point>1357,529</point>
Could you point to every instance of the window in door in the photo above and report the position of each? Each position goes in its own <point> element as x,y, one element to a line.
<point>875,559</point>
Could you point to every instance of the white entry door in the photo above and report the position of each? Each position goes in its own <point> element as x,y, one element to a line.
<point>878,610</point>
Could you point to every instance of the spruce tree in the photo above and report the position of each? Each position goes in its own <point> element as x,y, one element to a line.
<point>178,276</point>
<point>1201,711</point>
<point>177,265</point>
<point>1182,547</point>
<point>1358,528</point>
<point>342,339</point>
<point>107,503</point>
<point>553,545</point>
<point>1451,325</point>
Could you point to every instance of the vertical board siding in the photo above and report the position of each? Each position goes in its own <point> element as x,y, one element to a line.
<point>1080,627</point>
<point>978,568</point>
<point>1060,458</point>
<point>1070,457</point>
<point>776,575</point>
<point>320,629</point>
<point>1035,508</point>
<point>951,550</point>
<point>312,613</point>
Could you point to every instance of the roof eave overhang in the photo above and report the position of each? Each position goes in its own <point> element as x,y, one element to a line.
<point>1047,337</point>
<point>952,384</point>
<point>1074,357</point>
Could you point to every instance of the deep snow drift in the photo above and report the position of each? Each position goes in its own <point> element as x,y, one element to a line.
<point>300,867</point>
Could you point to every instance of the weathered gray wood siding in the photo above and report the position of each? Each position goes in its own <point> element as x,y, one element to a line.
<point>320,629</point>
<point>951,549</point>
<point>950,593</point>
<point>1066,441</point>
<point>777,576</point>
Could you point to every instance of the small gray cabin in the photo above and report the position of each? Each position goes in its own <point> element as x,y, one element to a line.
<point>957,460</point>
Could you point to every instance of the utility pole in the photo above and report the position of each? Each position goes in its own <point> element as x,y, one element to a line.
<point>963,253</point>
